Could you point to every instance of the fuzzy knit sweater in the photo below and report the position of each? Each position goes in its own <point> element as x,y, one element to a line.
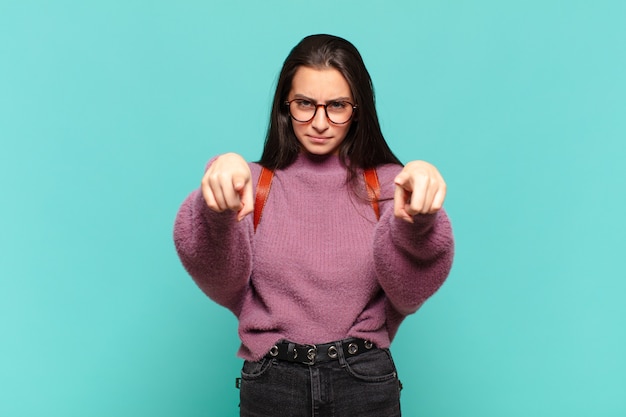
<point>320,267</point>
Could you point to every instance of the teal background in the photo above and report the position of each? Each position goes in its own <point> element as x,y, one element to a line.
<point>109,111</point>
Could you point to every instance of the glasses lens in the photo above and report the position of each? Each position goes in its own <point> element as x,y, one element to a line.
<point>302,110</point>
<point>339,111</point>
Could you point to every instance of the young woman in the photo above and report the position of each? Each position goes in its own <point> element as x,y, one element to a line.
<point>344,243</point>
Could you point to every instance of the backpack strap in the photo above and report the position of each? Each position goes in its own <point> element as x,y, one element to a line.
<point>373,189</point>
<point>265,183</point>
<point>262,191</point>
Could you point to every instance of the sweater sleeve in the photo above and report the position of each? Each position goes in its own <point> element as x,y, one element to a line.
<point>215,249</point>
<point>412,259</point>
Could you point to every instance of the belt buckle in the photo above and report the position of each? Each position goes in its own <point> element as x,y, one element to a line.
<point>311,353</point>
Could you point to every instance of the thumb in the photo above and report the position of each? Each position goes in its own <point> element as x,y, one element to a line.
<point>239,182</point>
<point>403,180</point>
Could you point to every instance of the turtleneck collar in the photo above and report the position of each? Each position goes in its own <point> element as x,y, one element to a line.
<point>318,163</point>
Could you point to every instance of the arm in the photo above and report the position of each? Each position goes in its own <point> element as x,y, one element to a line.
<point>413,243</point>
<point>212,241</point>
<point>412,259</point>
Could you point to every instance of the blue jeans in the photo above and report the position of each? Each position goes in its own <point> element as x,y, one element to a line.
<point>365,385</point>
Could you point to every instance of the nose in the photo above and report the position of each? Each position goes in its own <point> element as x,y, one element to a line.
<point>320,122</point>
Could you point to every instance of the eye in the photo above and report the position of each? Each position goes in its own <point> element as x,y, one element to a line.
<point>305,104</point>
<point>337,105</point>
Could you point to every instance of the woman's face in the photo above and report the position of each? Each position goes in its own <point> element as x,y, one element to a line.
<point>320,136</point>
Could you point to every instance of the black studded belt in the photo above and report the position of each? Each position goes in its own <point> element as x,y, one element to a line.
<point>311,354</point>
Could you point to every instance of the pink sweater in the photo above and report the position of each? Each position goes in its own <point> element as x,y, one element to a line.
<point>319,267</point>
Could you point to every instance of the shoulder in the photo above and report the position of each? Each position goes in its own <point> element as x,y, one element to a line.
<point>388,171</point>
<point>255,169</point>
<point>386,174</point>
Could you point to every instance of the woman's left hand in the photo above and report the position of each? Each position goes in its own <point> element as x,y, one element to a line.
<point>420,189</point>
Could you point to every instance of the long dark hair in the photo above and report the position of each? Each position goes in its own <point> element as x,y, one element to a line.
<point>364,146</point>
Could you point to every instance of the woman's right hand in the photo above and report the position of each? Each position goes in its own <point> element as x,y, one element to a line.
<point>227,185</point>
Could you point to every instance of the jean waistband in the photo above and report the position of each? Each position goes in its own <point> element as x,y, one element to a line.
<point>311,354</point>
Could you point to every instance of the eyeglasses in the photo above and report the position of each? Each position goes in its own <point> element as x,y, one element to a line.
<point>337,112</point>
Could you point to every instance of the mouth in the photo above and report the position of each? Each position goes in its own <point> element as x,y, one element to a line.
<point>319,139</point>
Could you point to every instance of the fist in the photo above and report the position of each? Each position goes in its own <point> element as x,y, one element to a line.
<point>227,185</point>
<point>420,189</point>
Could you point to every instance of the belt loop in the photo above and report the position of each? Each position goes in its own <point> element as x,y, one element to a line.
<point>292,353</point>
<point>341,357</point>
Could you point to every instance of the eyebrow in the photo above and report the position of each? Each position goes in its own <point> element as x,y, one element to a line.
<point>302,96</point>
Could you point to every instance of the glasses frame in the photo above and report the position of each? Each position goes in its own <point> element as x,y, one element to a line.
<point>317,106</point>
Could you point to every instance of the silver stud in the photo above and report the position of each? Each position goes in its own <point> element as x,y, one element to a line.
<point>352,348</point>
<point>332,352</point>
<point>274,351</point>
<point>368,344</point>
